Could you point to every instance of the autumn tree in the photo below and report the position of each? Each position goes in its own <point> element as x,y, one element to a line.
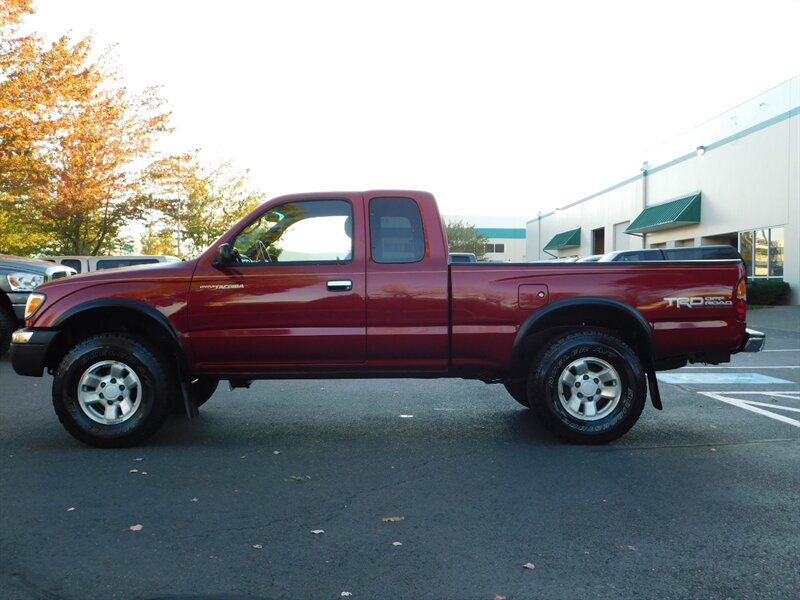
<point>16,159</point>
<point>70,137</point>
<point>463,237</point>
<point>190,205</point>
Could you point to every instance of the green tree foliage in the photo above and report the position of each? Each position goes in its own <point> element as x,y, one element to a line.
<point>190,206</point>
<point>463,237</point>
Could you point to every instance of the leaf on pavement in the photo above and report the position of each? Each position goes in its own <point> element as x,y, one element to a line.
<point>70,509</point>
<point>397,543</point>
<point>133,471</point>
<point>258,546</point>
<point>195,499</point>
<point>393,519</point>
<point>276,451</point>
<point>300,477</point>
<point>345,594</point>
<point>317,531</point>
<point>499,597</point>
<point>406,416</point>
<point>529,565</point>
<point>137,527</point>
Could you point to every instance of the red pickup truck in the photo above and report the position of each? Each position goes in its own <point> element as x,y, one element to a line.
<point>359,285</point>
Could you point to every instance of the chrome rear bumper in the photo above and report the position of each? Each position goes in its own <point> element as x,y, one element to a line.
<point>754,342</point>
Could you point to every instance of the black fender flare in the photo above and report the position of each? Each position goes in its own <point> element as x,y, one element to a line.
<point>177,349</point>
<point>542,316</point>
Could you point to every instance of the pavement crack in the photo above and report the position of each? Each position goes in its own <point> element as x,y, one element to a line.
<point>707,444</point>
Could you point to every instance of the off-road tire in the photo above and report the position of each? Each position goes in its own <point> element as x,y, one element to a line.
<point>99,361</point>
<point>613,379</point>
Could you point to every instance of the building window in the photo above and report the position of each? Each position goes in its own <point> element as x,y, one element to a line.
<point>762,251</point>
<point>496,248</point>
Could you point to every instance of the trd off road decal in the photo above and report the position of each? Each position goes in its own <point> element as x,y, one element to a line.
<point>698,301</point>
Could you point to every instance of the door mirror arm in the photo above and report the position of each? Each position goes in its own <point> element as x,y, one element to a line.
<point>226,256</point>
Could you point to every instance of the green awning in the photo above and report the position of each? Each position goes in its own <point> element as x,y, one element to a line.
<point>667,215</point>
<point>565,239</point>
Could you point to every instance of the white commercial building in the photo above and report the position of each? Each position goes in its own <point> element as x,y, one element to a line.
<point>734,180</point>
<point>505,235</point>
<point>505,244</point>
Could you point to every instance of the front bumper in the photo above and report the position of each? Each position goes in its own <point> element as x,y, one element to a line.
<point>29,348</point>
<point>754,341</point>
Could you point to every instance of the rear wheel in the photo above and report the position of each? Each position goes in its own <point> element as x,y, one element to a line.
<point>112,390</point>
<point>588,387</point>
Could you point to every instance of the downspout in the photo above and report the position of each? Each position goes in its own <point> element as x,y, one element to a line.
<point>539,235</point>
<point>645,167</point>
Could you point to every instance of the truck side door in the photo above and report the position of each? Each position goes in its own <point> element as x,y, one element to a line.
<point>296,298</point>
<point>407,288</point>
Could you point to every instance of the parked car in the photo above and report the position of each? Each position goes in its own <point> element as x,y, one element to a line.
<point>678,253</point>
<point>592,258</point>
<point>18,278</point>
<point>87,264</point>
<point>462,257</point>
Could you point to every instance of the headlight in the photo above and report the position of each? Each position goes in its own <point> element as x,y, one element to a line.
<point>35,300</point>
<point>24,282</point>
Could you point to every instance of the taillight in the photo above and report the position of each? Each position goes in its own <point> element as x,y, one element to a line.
<point>741,300</point>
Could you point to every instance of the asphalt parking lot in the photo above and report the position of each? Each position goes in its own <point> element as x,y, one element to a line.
<point>415,489</point>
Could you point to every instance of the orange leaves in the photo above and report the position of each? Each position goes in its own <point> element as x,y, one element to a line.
<point>11,13</point>
<point>70,136</point>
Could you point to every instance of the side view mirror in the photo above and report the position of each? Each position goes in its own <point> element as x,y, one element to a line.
<point>226,256</point>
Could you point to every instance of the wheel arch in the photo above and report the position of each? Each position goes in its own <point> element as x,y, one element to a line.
<point>117,315</point>
<point>602,313</point>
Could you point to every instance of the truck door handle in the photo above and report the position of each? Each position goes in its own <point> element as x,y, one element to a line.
<point>340,285</point>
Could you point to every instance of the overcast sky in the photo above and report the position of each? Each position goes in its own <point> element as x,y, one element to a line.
<point>498,108</point>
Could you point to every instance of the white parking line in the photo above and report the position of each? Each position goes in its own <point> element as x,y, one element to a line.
<point>754,406</point>
<point>719,378</point>
<point>773,406</point>
<point>784,350</point>
<point>750,367</point>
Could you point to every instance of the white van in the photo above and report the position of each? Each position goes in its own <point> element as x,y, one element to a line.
<point>87,264</point>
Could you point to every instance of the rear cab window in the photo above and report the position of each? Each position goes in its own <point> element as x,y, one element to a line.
<point>396,231</point>
<point>72,262</point>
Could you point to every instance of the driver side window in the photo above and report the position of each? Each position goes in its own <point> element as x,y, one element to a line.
<point>306,231</point>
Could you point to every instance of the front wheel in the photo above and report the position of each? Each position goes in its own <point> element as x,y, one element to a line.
<point>112,391</point>
<point>588,387</point>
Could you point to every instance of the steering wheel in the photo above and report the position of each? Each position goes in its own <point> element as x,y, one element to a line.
<point>262,255</point>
